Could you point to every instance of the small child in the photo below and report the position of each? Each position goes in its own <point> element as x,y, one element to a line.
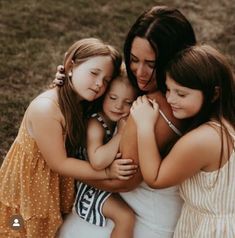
<point>92,204</point>
<point>200,88</point>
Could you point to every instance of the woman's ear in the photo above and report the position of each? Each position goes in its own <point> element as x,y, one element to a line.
<point>216,94</point>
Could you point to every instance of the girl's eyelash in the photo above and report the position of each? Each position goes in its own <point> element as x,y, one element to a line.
<point>94,73</point>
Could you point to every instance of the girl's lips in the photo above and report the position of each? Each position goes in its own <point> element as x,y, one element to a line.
<point>174,108</point>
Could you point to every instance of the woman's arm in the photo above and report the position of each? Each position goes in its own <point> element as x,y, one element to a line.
<point>128,146</point>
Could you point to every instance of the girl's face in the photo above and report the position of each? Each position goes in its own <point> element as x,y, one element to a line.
<point>185,102</point>
<point>142,63</point>
<point>118,100</point>
<point>90,78</point>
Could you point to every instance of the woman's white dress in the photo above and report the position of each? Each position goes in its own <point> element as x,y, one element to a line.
<point>157,212</point>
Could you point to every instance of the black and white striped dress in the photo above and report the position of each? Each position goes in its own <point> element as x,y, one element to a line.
<point>89,200</point>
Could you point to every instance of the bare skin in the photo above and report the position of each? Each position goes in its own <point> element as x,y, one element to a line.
<point>128,146</point>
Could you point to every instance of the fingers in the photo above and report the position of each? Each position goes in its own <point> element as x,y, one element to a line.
<point>59,76</point>
<point>60,68</point>
<point>58,82</point>
<point>126,170</point>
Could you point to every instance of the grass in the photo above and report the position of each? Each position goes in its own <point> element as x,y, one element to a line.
<point>36,33</point>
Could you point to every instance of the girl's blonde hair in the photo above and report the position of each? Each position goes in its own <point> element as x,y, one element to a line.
<point>72,108</point>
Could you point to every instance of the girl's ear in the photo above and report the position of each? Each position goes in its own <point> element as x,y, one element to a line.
<point>216,94</point>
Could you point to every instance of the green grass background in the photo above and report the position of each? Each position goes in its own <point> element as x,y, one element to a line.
<point>34,34</point>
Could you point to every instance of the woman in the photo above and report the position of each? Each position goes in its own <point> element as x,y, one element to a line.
<point>156,36</point>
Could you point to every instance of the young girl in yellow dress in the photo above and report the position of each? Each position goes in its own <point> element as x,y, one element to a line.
<point>35,175</point>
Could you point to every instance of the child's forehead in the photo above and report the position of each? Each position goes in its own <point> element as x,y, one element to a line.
<point>121,79</point>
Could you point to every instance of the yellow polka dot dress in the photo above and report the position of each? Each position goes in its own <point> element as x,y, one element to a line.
<point>30,189</point>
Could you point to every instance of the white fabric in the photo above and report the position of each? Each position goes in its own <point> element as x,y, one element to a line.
<point>157,211</point>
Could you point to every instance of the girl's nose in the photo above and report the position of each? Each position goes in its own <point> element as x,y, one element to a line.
<point>118,105</point>
<point>169,97</point>
<point>99,83</point>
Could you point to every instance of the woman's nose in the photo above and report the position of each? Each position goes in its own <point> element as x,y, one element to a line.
<point>140,70</point>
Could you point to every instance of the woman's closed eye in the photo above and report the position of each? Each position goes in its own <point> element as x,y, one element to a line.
<point>134,59</point>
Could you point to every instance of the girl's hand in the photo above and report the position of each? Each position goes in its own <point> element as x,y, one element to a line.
<point>144,111</point>
<point>59,76</point>
<point>122,169</point>
<point>121,124</point>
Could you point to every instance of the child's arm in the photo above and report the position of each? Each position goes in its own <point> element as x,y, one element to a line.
<point>100,155</point>
<point>45,123</point>
<point>128,147</point>
<point>189,155</point>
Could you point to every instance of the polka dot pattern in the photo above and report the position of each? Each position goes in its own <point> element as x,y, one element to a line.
<point>29,188</point>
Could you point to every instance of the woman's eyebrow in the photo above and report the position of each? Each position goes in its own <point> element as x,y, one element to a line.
<point>148,61</point>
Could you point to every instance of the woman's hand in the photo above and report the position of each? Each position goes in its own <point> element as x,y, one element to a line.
<point>144,111</point>
<point>59,76</point>
<point>122,169</point>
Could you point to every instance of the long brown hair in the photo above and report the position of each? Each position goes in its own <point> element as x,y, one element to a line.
<point>204,68</point>
<point>168,32</point>
<point>71,106</point>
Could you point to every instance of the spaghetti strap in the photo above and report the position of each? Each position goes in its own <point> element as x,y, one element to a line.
<point>170,124</point>
<point>218,125</point>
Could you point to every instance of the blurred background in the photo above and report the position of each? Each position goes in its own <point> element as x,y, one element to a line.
<point>34,35</point>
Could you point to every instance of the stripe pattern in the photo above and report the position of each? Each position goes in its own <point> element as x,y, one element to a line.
<point>89,200</point>
<point>209,208</point>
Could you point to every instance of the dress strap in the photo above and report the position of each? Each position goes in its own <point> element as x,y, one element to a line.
<point>100,119</point>
<point>170,124</point>
<point>219,125</point>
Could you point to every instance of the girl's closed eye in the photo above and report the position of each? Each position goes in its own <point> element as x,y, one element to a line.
<point>129,102</point>
<point>181,94</point>
<point>94,73</point>
<point>112,97</point>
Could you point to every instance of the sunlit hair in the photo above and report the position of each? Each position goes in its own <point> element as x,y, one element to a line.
<point>167,30</point>
<point>72,108</point>
<point>123,78</point>
<point>204,68</point>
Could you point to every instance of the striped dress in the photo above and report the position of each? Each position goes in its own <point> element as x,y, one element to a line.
<point>209,208</point>
<point>89,200</point>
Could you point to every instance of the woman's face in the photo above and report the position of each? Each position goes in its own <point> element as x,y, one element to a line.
<point>90,78</point>
<point>142,63</point>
